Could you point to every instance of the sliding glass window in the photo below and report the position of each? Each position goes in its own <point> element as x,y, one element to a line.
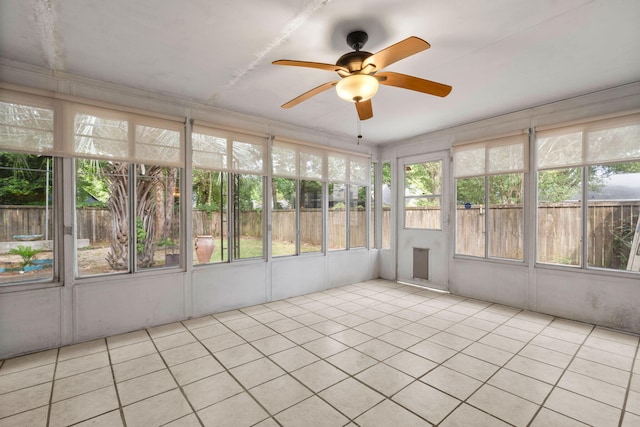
<point>228,193</point>
<point>588,179</point>
<point>28,207</point>
<point>489,178</point>
<point>127,209</point>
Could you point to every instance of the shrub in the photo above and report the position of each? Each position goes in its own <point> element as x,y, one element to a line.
<point>27,253</point>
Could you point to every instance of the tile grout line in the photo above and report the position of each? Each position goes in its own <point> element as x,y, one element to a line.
<point>626,396</point>
<point>353,377</point>
<point>184,395</point>
<point>564,371</point>
<point>566,368</point>
<point>499,367</point>
<point>439,364</point>
<point>539,405</point>
<point>464,401</point>
<point>400,308</point>
<point>228,371</point>
<point>53,379</point>
<point>115,385</point>
<point>313,393</point>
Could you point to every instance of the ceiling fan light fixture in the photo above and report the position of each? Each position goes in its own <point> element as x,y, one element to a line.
<point>357,87</point>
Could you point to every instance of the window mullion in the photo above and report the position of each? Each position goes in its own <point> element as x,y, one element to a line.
<point>347,220</point>
<point>487,207</point>
<point>584,210</point>
<point>133,219</point>
<point>298,201</point>
<point>325,217</point>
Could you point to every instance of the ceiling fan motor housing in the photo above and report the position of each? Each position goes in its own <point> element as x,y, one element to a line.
<point>353,60</point>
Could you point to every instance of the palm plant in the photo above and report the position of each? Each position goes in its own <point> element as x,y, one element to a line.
<point>27,253</point>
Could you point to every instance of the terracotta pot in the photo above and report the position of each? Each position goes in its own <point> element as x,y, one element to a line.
<point>204,248</point>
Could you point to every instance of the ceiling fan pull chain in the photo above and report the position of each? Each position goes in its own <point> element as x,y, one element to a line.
<point>359,130</point>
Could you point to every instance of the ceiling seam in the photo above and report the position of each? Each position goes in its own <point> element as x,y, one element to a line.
<point>284,34</point>
<point>45,19</point>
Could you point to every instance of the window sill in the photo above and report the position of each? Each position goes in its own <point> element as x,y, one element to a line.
<point>31,286</point>
<point>623,274</point>
<point>504,261</point>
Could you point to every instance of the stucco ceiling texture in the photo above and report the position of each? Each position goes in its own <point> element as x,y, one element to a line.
<point>499,55</point>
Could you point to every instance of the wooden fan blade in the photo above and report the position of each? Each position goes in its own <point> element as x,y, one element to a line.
<point>414,83</point>
<point>365,109</point>
<point>396,52</point>
<point>318,65</point>
<point>309,94</point>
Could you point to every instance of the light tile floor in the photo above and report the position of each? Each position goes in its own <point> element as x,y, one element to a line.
<point>376,353</point>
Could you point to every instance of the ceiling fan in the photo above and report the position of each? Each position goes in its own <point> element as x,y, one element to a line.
<point>361,75</point>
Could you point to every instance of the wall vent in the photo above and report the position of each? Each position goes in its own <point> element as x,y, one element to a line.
<point>421,263</point>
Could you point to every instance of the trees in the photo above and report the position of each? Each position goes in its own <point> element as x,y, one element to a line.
<point>23,179</point>
<point>154,207</point>
<point>423,179</point>
<point>284,190</point>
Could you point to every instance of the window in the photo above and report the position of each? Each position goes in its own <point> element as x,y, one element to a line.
<point>27,215</point>
<point>298,187</point>
<point>283,216</point>
<point>102,217</point>
<point>359,178</point>
<point>489,179</point>
<point>386,205</point>
<point>372,206</point>
<point>311,207</point>
<point>247,209</point>
<point>157,216</point>
<point>348,188</point>
<point>613,212</point>
<point>228,195</point>
<point>470,214</point>
<point>122,227</point>
<point>296,193</point>
<point>209,215</point>
<point>560,216</point>
<point>358,216</point>
<point>337,222</point>
<point>311,170</point>
<point>28,204</point>
<point>588,179</point>
<point>423,195</point>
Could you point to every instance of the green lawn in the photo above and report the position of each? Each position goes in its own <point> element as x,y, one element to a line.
<point>253,248</point>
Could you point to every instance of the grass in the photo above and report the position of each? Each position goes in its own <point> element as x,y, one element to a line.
<point>253,248</point>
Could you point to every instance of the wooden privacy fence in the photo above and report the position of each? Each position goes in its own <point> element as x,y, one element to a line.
<point>24,220</point>
<point>610,227</point>
<point>609,232</point>
<point>283,226</point>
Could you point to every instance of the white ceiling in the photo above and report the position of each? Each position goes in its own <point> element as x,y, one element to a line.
<point>499,55</point>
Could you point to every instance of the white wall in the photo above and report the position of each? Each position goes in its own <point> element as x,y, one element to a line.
<point>32,320</point>
<point>610,299</point>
